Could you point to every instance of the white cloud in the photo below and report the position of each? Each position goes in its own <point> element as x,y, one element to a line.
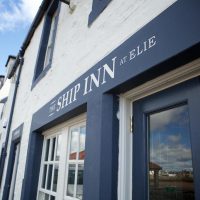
<point>160,120</point>
<point>15,14</point>
<point>176,157</point>
<point>174,138</point>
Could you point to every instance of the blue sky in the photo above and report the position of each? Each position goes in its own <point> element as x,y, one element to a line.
<point>15,19</point>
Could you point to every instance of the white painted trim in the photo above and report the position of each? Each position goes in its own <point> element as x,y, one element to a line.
<point>125,149</point>
<point>76,161</point>
<point>71,122</point>
<point>63,130</point>
<point>165,81</point>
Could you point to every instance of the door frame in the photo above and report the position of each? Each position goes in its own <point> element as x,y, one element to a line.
<point>172,78</point>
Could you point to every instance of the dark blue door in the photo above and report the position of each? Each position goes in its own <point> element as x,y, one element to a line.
<point>166,144</point>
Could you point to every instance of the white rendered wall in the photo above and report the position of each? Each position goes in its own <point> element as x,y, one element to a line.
<point>77,48</point>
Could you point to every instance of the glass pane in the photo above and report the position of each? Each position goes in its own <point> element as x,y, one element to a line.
<point>53,148</point>
<point>42,196</point>
<point>82,143</point>
<point>46,197</point>
<point>55,178</point>
<point>52,198</point>
<point>59,139</point>
<point>47,149</point>
<point>79,190</point>
<point>74,144</point>
<point>49,177</point>
<point>44,176</point>
<point>71,180</point>
<point>50,41</point>
<point>170,167</point>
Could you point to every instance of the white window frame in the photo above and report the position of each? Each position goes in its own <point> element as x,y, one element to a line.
<point>64,130</point>
<point>172,78</point>
<point>76,162</point>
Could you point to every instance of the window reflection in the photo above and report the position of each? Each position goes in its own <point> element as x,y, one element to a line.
<point>53,148</point>
<point>76,162</point>
<point>49,177</point>
<point>170,166</point>
<point>82,143</point>
<point>59,140</point>
<point>47,149</point>
<point>71,180</point>
<point>74,144</point>
<point>55,179</point>
<point>79,192</point>
<point>44,176</point>
<point>43,196</point>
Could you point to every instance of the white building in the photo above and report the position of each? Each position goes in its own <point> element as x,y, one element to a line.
<point>83,70</point>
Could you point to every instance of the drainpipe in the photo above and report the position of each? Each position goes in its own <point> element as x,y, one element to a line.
<point>19,61</point>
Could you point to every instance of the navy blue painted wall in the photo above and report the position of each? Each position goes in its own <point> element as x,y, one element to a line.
<point>30,182</point>
<point>101,163</point>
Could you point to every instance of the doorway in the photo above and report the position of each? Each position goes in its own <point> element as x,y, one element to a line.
<point>166,142</point>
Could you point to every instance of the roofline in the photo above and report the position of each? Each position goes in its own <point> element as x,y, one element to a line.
<point>9,57</point>
<point>41,11</point>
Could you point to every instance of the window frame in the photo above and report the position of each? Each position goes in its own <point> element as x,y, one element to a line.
<point>40,68</point>
<point>75,162</point>
<point>64,130</point>
<point>47,163</point>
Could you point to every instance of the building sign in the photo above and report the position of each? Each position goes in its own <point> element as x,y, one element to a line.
<point>100,76</point>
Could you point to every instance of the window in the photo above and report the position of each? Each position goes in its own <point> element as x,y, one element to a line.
<point>50,167</point>
<point>75,164</point>
<point>62,165</point>
<point>49,49</point>
<point>45,53</point>
<point>97,8</point>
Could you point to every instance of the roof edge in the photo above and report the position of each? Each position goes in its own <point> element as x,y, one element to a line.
<point>9,57</point>
<point>40,13</point>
